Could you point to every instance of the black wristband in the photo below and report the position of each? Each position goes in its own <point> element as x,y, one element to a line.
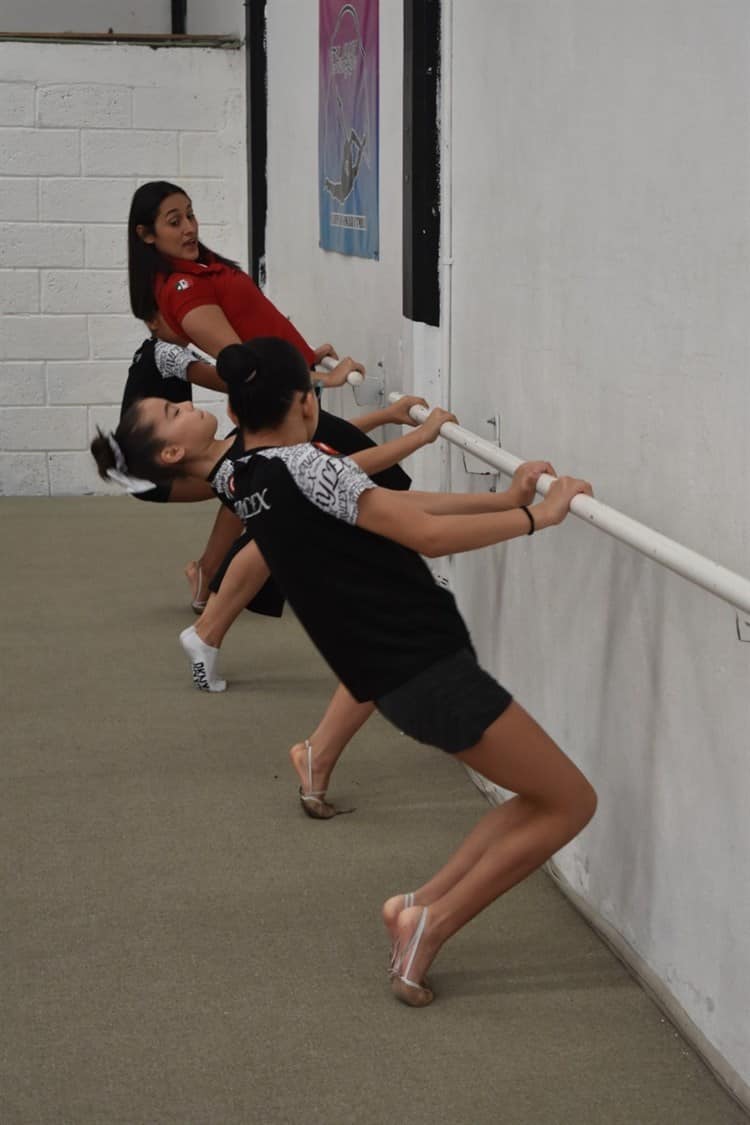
<point>532,529</point>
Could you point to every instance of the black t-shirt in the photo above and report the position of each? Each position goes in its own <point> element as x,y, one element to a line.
<point>344,437</point>
<point>341,437</point>
<point>385,619</point>
<point>147,380</point>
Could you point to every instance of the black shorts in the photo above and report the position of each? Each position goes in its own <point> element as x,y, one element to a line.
<point>449,705</point>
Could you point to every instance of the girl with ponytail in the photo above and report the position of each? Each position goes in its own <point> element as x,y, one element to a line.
<point>389,632</point>
<point>146,440</point>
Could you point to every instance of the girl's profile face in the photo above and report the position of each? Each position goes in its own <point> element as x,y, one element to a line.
<point>178,424</point>
<point>175,230</point>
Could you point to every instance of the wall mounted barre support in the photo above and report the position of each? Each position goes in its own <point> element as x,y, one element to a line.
<point>723,583</point>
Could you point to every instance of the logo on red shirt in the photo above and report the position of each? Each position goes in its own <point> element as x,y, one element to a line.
<point>183,283</point>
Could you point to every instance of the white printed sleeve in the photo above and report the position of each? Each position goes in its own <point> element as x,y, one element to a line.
<point>172,360</point>
<point>334,484</point>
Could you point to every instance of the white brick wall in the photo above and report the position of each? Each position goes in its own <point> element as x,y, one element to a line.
<point>19,291</point>
<point>22,384</point>
<point>18,198</point>
<point>94,123</point>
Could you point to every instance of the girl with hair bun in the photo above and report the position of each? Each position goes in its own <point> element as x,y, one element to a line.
<point>395,638</point>
<point>243,579</point>
<point>204,298</point>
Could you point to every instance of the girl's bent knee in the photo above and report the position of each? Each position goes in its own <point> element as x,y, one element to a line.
<point>585,803</point>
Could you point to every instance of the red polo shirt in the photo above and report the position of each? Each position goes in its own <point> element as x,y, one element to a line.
<point>250,313</point>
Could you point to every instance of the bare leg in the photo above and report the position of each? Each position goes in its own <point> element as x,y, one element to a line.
<point>341,721</point>
<point>343,717</point>
<point>245,575</point>
<point>199,573</point>
<point>554,803</point>
<point>507,817</point>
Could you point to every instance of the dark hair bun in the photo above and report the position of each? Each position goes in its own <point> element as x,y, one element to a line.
<point>262,378</point>
<point>236,363</point>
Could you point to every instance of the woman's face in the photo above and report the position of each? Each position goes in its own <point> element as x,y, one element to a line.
<point>179,425</point>
<point>175,230</point>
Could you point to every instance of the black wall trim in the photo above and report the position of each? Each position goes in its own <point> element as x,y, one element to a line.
<point>257,135</point>
<point>421,193</point>
<point>179,17</point>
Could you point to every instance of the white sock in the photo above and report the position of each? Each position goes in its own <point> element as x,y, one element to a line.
<point>202,659</point>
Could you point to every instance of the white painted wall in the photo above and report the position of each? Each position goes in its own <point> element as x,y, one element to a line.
<point>204,17</point>
<point>601,295</point>
<point>601,287</point>
<point>80,127</point>
<point>90,16</point>
<point>352,302</point>
<point>216,17</point>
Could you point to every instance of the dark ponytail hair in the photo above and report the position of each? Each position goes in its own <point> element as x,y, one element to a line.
<point>262,379</point>
<point>144,260</point>
<point>140,450</point>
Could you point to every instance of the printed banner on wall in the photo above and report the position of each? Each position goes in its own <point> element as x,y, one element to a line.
<point>348,143</point>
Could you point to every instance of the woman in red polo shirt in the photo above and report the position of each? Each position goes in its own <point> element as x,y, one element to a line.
<point>203,297</point>
<point>208,300</point>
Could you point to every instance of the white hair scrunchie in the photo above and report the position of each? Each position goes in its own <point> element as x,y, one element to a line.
<point>119,475</point>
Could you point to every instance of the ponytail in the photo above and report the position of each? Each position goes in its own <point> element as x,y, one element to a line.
<point>130,455</point>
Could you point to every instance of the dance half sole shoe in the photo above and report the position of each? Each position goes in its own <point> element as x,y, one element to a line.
<point>313,801</point>
<point>414,993</point>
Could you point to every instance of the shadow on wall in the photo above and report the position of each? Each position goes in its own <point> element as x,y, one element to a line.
<point>628,709</point>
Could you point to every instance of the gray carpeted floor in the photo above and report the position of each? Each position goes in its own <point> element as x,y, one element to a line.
<point>181,946</point>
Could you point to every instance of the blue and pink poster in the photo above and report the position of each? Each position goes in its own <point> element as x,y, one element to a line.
<point>348,143</point>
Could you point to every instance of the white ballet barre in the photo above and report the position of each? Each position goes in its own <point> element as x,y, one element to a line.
<point>723,583</point>
<point>354,378</point>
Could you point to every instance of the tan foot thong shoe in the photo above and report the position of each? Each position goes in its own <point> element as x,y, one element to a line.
<point>412,992</point>
<point>395,946</point>
<point>312,800</point>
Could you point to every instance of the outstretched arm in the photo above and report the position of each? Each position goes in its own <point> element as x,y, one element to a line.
<point>521,491</point>
<point>203,374</point>
<point>338,375</point>
<point>391,515</point>
<point>381,457</point>
<point>397,415</point>
<point>175,361</point>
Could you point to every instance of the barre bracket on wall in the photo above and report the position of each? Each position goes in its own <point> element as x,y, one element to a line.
<point>474,466</point>
<point>371,392</point>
